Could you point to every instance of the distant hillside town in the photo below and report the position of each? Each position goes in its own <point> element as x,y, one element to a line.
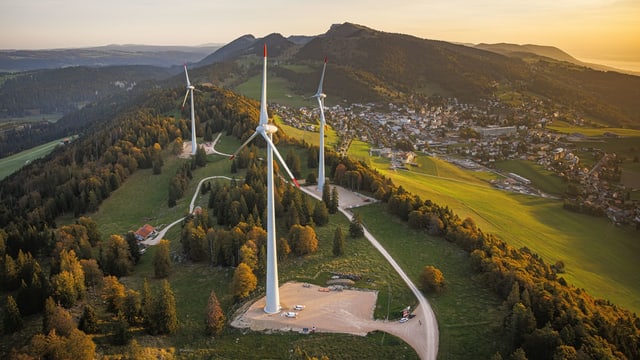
<point>476,136</point>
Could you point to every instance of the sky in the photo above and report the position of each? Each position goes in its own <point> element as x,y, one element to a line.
<point>603,30</point>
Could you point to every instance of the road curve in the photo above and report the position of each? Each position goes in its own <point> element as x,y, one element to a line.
<point>428,348</point>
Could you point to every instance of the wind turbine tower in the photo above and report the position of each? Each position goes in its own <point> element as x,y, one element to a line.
<point>267,130</point>
<point>320,96</point>
<point>190,88</point>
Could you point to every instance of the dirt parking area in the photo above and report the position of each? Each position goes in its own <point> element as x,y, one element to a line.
<point>346,311</point>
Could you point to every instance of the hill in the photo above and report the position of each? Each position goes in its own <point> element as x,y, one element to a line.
<point>36,94</point>
<point>110,55</point>
<point>524,51</point>
<point>370,65</point>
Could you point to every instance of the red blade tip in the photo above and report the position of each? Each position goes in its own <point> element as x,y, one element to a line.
<point>232,157</point>
<point>265,50</point>
<point>325,59</point>
<point>296,182</point>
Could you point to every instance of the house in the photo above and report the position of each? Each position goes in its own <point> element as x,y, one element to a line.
<point>144,232</point>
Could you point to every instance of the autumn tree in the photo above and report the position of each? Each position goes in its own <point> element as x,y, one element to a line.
<point>338,242</point>
<point>117,259</point>
<point>214,316</point>
<point>162,259</point>
<point>164,317</point>
<point>244,281</point>
<point>12,319</point>
<point>249,254</point>
<point>113,293</point>
<point>431,279</point>
<point>57,319</point>
<point>303,240</point>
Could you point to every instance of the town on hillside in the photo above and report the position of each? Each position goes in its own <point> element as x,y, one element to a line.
<point>475,136</point>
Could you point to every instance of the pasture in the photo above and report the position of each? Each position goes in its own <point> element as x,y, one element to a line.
<point>13,163</point>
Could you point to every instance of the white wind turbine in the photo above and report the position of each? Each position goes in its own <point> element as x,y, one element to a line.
<point>190,89</point>
<point>320,96</point>
<point>266,130</point>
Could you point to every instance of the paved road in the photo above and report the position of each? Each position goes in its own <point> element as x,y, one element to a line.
<point>427,345</point>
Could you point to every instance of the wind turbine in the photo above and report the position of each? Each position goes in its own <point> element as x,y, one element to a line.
<point>320,96</point>
<point>267,130</point>
<point>193,119</point>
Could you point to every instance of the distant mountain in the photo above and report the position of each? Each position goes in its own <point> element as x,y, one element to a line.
<point>249,45</point>
<point>369,65</point>
<point>165,56</point>
<point>552,52</point>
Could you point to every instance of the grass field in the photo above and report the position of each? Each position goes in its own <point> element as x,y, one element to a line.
<point>600,257</point>
<point>468,313</point>
<point>310,137</point>
<point>192,283</point>
<point>278,89</point>
<point>542,179</point>
<point>13,163</point>
<point>564,127</point>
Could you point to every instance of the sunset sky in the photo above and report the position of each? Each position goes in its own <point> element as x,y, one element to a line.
<point>605,30</point>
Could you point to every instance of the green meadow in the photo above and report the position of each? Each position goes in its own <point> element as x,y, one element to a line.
<point>13,163</point>
<point>192,283</point>
<point>279,91</point>
<point>599,256</point>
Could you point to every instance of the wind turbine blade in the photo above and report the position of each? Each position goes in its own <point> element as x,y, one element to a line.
<point>185,99</point>
<point>187,75</point>
<point>322,77</point>
<point>264,116</point>
<point>243,145</point>
<point>284,164</point>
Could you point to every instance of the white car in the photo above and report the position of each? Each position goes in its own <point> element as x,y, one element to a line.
<point>299,307</point>
<point>404,319</point>
<point>290,314</point>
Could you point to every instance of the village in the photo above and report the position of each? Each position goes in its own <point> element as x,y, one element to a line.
<point>477,136</point>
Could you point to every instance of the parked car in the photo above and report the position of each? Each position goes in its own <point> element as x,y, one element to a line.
<point>290,314</point>
<point>299,307</point>
<point>404,320</point>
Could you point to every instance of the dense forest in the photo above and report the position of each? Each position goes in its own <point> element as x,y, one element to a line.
<point>43,265</point>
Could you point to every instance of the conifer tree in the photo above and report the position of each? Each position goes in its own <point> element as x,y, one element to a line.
<point>334,202</point>
<point>338,241</point>
<point>214,317</point>
<point>165,315</point>
<point>320,214</point>
<point>88,321</point>
<point>162,259</point>
<point>12,319</point>
<point>355,227</point>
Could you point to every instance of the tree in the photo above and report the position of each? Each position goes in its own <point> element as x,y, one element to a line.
<point>134,248</point>
<point>201,156</point>
<point>432,279</point>
<point>88,320</point>
<point>117,259</point>
<point>244,281</point>
<point>162,259</point>
<point>320,214</point>
<point>293,162</point>
<point>249,254</point>
<point>311,179</point>
<point>165,317</point>
<point>132,307</point>
<point>121,333</point>
<point>113,293</point>
<point>214,316</point>
<point>335,202</point>
<point>12,319</point>
<point>326,195</point>
<point>303,240</point>
<point>57,319</point>
<point>338,242</point>
<point>356,230</point>
<point>92,274</point>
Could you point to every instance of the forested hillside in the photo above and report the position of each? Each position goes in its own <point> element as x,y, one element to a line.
<point>547,317</point>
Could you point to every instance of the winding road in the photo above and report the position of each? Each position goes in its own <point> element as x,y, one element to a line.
<point>424,339</point>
